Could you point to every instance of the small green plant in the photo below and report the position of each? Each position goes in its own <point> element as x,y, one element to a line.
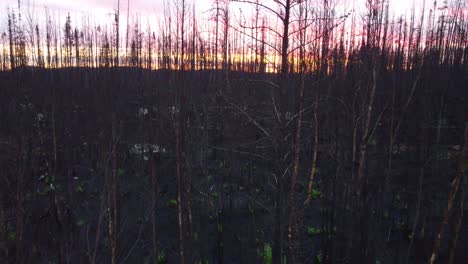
<point>81,222</point>
<point>313,231</point>
<point>172,203</point>
<point>319,257</point>
<point>50,179</point>
<point>11,236</point>
<point>80,189</point>
<point>162,258</point>
<point>267,254</point>
<point>315,194</point>
<point>120,172</point>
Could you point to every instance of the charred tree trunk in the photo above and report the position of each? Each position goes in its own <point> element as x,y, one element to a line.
<point>455,198</point>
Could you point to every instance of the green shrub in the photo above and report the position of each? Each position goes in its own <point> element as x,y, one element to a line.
<point>267,254</point>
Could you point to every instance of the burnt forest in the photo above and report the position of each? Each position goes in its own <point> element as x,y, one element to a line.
<point>269,132</point>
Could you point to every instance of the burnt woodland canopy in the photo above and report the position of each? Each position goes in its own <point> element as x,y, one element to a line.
<point>348,147</point>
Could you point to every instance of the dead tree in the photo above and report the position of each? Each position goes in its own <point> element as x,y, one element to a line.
<point>455,205</point>
<point>117,34</point>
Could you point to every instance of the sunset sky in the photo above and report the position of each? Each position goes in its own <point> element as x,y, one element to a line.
<point>149,12</point>
<point>105,7</point>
